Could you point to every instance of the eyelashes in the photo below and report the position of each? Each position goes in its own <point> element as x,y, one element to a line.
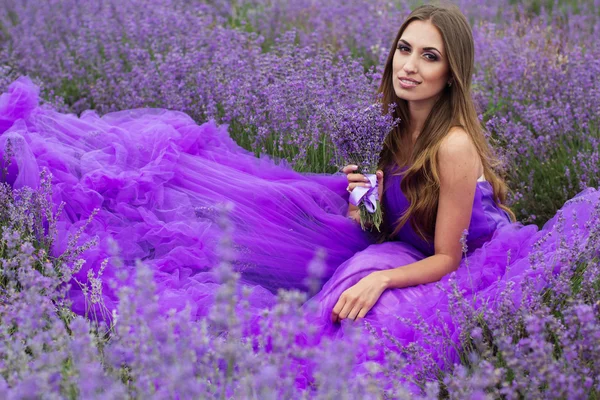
<point>428,56</point>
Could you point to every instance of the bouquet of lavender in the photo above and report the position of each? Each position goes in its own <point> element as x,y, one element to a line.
<point>358,138</point>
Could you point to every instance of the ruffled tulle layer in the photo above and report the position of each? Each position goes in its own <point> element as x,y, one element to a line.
<point>158,180</point>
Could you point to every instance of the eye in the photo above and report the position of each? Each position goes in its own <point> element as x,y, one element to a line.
<point>430,56</point>
<point>402,47</point>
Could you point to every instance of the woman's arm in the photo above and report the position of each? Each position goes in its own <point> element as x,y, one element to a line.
<point>459,167</point>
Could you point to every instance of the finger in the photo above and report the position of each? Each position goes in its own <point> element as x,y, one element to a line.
<point>349,168</point>
<point>354,312</point>
<point>379,174</point>
<point>335,313</point>
<point>356,178</point>
<point>363,312</point>
<point>351,186</point>
<point>345,310</point>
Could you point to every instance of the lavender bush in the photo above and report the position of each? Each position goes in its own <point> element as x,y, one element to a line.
<point>271,69</point>
<point>274,71</point>
<point>544,347</point>
<point>534,345</point>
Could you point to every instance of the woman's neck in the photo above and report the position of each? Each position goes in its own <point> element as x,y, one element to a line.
<point>419,111</point>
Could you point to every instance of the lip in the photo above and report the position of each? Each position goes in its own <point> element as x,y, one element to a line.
<point>408,79</point>
<point>405,85</point>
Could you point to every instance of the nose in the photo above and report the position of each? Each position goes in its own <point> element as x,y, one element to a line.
<point>410,66</point>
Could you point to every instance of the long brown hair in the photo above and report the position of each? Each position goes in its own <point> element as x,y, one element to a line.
<point>454,107</point>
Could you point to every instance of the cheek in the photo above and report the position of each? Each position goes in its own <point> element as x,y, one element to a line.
<point>436,74</point>
<point>396,62</point>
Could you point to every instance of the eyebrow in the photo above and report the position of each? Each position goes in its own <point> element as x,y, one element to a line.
<point>424,48</point>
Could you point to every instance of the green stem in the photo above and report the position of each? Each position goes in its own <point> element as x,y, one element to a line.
<point>370,220</point>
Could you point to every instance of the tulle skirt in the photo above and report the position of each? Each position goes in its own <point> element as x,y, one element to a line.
<point>161,183</point>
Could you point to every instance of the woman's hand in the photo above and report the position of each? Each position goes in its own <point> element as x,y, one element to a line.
<point>355,180</point>
<point>356,301</point>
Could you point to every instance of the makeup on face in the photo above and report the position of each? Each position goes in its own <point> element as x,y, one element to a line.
<point>420,68</point>
<point>431,53</point>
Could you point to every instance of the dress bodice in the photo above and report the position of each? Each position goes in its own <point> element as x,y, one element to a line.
<point>486,217</point>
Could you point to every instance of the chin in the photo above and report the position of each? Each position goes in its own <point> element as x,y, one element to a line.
<point>405,96</point>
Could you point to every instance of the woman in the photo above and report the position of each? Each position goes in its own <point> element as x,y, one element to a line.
<point>441,148</point>
<point>437,184</point>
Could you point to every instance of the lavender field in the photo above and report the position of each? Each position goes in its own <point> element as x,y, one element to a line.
<point>273,72</point>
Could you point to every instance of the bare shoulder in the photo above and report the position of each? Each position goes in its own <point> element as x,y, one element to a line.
<point>457,143</point>
<point>458,152</point>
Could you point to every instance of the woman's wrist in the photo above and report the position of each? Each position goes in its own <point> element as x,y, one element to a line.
<point>384,278</point>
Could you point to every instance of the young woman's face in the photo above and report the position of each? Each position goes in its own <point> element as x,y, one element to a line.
<point>420,65</point>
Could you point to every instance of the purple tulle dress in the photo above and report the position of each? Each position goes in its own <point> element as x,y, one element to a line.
<point>158,180</point>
